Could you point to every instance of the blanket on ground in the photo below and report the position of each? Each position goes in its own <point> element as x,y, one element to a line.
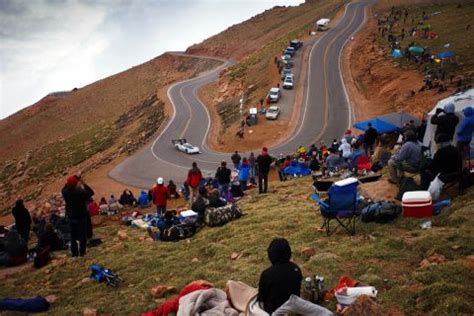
<point>172,305</point>
<point>31,305</point>
<point>206,303</point>
<point>240,294</point>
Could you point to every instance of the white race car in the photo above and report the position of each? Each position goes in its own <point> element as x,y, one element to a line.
<point>184,146</point>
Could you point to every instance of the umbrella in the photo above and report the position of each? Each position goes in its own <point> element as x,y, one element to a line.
<point>444,55</point>
<point>396,53</point>
<point>416,50</point>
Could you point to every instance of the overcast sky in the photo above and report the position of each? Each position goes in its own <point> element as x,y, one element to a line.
<point>55,45</point>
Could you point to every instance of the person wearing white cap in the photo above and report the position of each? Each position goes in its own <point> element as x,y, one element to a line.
<point>160,196</point>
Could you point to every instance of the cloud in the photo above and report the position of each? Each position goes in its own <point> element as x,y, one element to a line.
<point>54,45</point>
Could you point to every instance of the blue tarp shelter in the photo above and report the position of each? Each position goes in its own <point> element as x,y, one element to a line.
<point>380,125</point>
<point>444,55</point>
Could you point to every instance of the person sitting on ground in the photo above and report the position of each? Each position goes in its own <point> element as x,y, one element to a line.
<point>215,200</point>
<point>200,204</point>
<point>168,220</point>
<point>114,205</point>
<point>50,238</point>
<point>279,163</point>
<point>93,207</point>
<point>334,161</point>
<point>345,148</point>
<point>15,250</point>
<point>465,130</point>
<point>127,199</point>
<point>103,206</point>
<point>408,159</point>
<point>143,199</point>
<point>244,173</point>
<point>446,121</point>
<point>281,280</point>
<point>172,190</point>
<point>22,219</point>
<point>447,162</point>
<point>381,154</point>
<point>314,164</point>
<point>357,152</point>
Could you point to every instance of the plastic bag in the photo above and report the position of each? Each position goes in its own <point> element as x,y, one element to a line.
<point>435,188</point>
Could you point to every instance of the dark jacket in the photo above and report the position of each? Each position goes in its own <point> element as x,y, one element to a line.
<point>76,200</point>
<point>447,160</point>
<point>223,175</point>
<point>281,280</point>
<point>235,158</point>
<point>370,136</point>
<point>22,218</point>
<point>264,161</point>
<point>446,124</point>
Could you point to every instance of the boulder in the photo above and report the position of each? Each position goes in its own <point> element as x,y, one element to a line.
<point>122,235</point>
<point>308,252</point>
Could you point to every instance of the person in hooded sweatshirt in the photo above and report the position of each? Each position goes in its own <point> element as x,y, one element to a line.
<point>465,129</point>
<point>445,120</point>
<point>22,219</point>
<point>264,160</point>
<point>244,173</point>
<point>281,280</point>
<point>76,194</point>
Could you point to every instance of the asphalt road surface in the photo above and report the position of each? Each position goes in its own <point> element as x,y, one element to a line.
<point>325,112</point>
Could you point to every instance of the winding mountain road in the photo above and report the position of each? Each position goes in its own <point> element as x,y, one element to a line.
<point>325,112</point>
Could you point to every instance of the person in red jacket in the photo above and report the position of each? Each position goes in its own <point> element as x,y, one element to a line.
<point>160,196</point>
<point>193,181</point>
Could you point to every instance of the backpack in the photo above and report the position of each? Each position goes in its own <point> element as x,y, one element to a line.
<point>221,215</point>
<point>178,232</point>
<point>380,212</point>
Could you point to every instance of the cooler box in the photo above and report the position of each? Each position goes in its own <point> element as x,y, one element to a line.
<point>417,204</point>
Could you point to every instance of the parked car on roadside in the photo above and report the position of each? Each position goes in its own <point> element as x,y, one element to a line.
<point>284,73</point>
<point>272,113</point>
<point>297,44</point>
<point>287,60</point>
<point>288,82</point>
<point>275,94</point>
<point>290,51</point>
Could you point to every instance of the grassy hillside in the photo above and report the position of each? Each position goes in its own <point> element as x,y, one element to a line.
<point>385,256</point>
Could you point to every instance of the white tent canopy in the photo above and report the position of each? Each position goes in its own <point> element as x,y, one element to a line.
<point>460,101</point>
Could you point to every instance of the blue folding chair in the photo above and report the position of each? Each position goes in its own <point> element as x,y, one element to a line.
<point>340,207</point>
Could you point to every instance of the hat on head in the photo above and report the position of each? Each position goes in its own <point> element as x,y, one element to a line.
<point>72,181</point>
<point>264,148</point>
<point>348,131</point>
<point>449,108</point>
<point>160,180</point>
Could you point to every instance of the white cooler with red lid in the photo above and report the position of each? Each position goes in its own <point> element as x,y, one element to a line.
<point>417,204</point>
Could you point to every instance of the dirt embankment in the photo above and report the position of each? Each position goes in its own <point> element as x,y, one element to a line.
<point>377,86</point>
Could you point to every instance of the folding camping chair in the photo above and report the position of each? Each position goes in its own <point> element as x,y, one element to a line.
<point>340,207</point>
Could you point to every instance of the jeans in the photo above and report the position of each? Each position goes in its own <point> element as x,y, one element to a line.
<point>223,189</point>
<point>193,193</point>
<point>243,185</point>
<point>160,209</point>
<point>396,169</point>
<point>78,228</point>
<point>262,182</point>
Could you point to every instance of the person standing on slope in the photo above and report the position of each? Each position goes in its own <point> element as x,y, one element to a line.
<point>236,159</point>
<point>465,130</point>
<point>223,178</point>
<point>445,120</point>
<point>160,196</point>
<point>370,137</point>
<point>22,219</point>
<point>76,194</point>
<point>193,181</point>
<point>264,161</point>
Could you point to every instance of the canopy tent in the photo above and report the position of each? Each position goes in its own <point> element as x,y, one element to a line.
<point>399,119</point>
<point>396,53</point>
<point>380,125</point>
<point>415,50</point>
<point>460,101</point>
<point>445,55</point>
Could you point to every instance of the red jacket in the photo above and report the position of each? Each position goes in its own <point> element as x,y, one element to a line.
<point>194,178</point>
<point>160,195</point>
